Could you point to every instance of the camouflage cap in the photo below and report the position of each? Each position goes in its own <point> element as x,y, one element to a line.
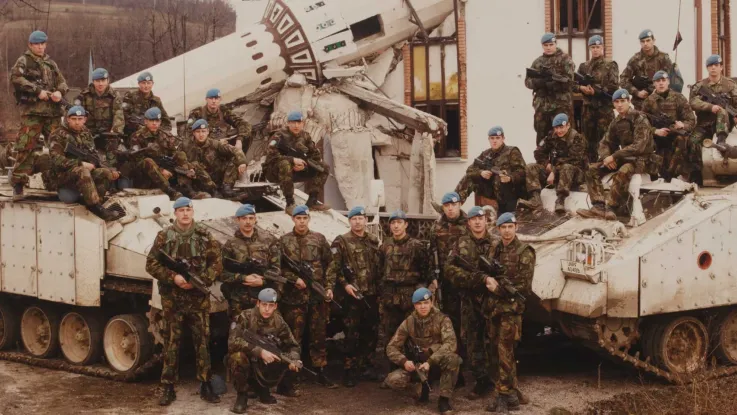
<point>621,93</point>
<point>475,211</point>
<point>496,131</point>
<point>357,211</point>
<point>507,217</point>
<point>199,125</point>
<point>548,38</point>
<point>37,37</point>
<point>596,40</point>
<point>397,214</point>
<point>153,113</point>
<point>560,119</point>
<point>421,294</point>
<point>660,75</point>
<point>646,34</point>
<point>100,73</point>
<point>294,116</point>
<point>182,202</point>
<point>451,197</point>
<point>300,210</point>
<point>713,60</point>
<point>267,295</point>
<point>145,76</point>
<point>245,210</point>
<point>77,111</point>
<point>213,93</point>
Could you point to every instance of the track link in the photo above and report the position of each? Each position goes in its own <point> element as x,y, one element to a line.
<point>95,371</point>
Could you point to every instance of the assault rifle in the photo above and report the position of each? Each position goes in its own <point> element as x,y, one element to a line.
<point>589,80</point>
<point>270,345</point>
<point>486,164</point>
<point>494,269</point>
<point>722,100</point>
<point>85,154</point>
<point>168,163</point>
<point>306,272</point>
<point>164,162</point>
<point>547,74</point>
<point>418,357</point>
<point>662,120</point>
<point>643,83</point>
<point>182,267</point>
<point>23,97</point>
<point>350,275</point>
<point>252,266</point>
<point>290,151</point>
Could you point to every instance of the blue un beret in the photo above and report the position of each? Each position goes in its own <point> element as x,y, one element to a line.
<point>300,210</point>
<point>451,197</point>
<point>153,113</point>
<point>267,295</point>
<point>475,211</point>
<point>496,130</point>
<point>621,93</point>
<point>596,40</point>
<point>560,119</point>
<point>358,210</point>
<point>421,294</point>
<point>182,202</point>
<point>548,38</point>
<point>99,73</point>
<point>397,214</point>
<point>145,76</point>
<point>294,116</point>
<point>646,34</point>
<point>76,110</point>
<point>660,75</point>
<point>245,210</point>
<point>37,37</point>
<point>199,124</point>
<point>213,93</point>
<point>507,217</point>
<point>713,60</point>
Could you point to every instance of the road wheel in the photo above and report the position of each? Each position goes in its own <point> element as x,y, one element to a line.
<point>682,345</point>
<point>39,330</point>
<point>80,337</point>
<point>9,326</point>
<point>127,343</point>
<point>724,337</point>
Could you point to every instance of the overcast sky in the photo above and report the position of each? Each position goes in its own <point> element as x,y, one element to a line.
<point>249,11</point>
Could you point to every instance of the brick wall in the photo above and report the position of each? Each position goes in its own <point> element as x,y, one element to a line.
<point>714,26</point>
<point>406,56</point>
<point>608,28</point>
<point>462,98</point>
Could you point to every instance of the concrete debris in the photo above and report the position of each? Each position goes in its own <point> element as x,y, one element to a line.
<point>422,175</point>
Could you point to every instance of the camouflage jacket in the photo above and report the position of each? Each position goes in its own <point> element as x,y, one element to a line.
<point>672,104</point>
<point>703,109</point>
<point>105,112</point>
<point>507,158</point>
<point>213,155</point>
<point>313,249</point>
<point>433,334</point>
<point>552,95</point>
<point>261,246</point>
<point>220,122</point>
<point>199,247</point>
<point>606,74</point>
<point>135,105</point>
<point>273,328</point>
<point>470,249</point>
<point>361,253</point>
<point>569,149</point>
<point>628,136</point>
<point>643,65</point>
<point>518,260</point>
<point>162,144</point>
<point>32,74</point>
<point>58,142</point>
<point>302,142</point>
<point>405,263</point>
<point>444,235</point>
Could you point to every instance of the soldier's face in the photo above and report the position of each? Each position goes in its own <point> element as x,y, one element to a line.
<point>296,127</point>
<point>477,224</point>
<point>76,123</point>
<point>622,106</point>
<point>423,307</point>
<point>146,86</point>
<point>213,104</point>
<point>152,125</point>
<point>266,309</point>
<point>662,84</point>
<point>508,231</point>
<point>596,51</point>
<point>38,49</point>
<point>100,85</point>
<point>452,210</point>
<point>398,228</point>
<point>358,223</point>
<point>246,223</point>
<point>714,70</point>
<point>647,44</point>
<point>185,216</point>
<point>201,134</point>
<point>301,223</point>
<point>561,130</point>
<point>496,141</point>
<point>549,48</point>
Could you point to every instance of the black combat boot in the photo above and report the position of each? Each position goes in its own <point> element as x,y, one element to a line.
<point>290,205</point>
<point>560,204</point>
<point>424,394</point>
<point>349,378</point>
<point>481,389</point>
<point>207,394</point>
<point>534,202</point>
<point>314,204</point>
<point>264,395</point>
<point>444,405</point>
<point>18,191</point>
<point>461,381</point>
<point>173,193</point>
<point>168,395</point>
<point>721,138</point>
<point>286,386</point>
<point>498,405</point>
<point>228,191</point>
<point>241,403</point>
<point>513,401</point>
<point>323,380</point>
<point>105,214</point>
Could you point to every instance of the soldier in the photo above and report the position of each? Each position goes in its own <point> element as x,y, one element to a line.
<point>561,158</point>
<point>504,311</point>
<point>627,149</point>
<point>496,176</point>
<point>222,162</point>
<point>249,242</point>
<point>302,306</point>
<point>285,169</point>
<point>471,290</point>
<point>251,365</point>
<point>671,140</point>
<point>711,119</point>
<point>220,119</point>
<point>163,144</point>
<point>135,104</point>
<point>67,171</point>
<point>432,332</point>
<point>189,240</point>
<point>357,250</point>
<point>643,65</point>
<point>552,94</point>
<point>106,120</point>
<point>597,111</point>
<point>39,90</point>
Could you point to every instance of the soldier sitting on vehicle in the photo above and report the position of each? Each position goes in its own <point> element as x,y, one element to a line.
<point>221,119</point>
<point>135,104</point>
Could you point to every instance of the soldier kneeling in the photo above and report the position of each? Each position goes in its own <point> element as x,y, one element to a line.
<point>429,335</point>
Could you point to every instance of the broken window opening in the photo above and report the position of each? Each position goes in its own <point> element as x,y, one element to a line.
<point>570,17</point>
<point>366,28</point>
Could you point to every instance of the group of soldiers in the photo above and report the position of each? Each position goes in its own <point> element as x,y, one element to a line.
<point>656,130</point>
<point>394,329</point>
<point>105,138</point>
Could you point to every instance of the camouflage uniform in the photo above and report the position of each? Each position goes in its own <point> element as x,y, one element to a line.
<point>261,246</point>
<point>504,312</point>
<point>221,121</point>
<point>218,159</point>
<point>628,136</point>
<point>434,334</point>
<point>598,111</point>
<point>709,123</point>
<point>30,75</point>
<point>278,167</point>
<point>244,360</point>
<point>567,155</point>
<point>361,322</point>
<point>104,112</point>
<point>551,98</point>
<point>643,65</point>
<point>302,307</point>
<point>674,147</point>
<point>508,159</point>
<point>135,105</point>
<point>191,306</point>
<point>472,290</point>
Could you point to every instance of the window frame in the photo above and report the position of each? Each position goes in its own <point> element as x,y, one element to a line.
<point>555,9</point>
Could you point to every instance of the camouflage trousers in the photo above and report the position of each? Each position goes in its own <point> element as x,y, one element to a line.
<point>227,174</point>
<point>360,323</point>
<point>244,372</point>
<point>472,320</point>
<point>543,119</point>
<point>504,194</point>
<point>395,304</point>
<point>202,181</point>
<point>674,150</point>
<point>452,308</point>
<point>594,124</point>
<point>318,315</point>
<point>567,177</point>
<point>239,304</point>
<point>145,174</point>
<point>282,174</point>
<point>92,185</point>
<point>26,159</point>
<point>199,323</point>
<point>447,370</point>
<point>619,189</point>
<point>702,132</point>
<point>504,331</point>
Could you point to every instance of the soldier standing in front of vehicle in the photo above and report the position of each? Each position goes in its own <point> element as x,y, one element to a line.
<point>181,304</point>
<point>135,104</point>
<point>641,68</point>
<point>39,89</point>
<point>221,119</point>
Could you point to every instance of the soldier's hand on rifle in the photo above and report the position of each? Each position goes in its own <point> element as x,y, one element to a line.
<point>329,295</point>
<point>115,174</point>
<point>662,132</point>
<point>587,90</point>
<point>269,357</point>
<point>433,286</point>
<point>241,169</point>
<point>714,108</point>
<point>425,367</point>
<point>486,174</point>
<point>299,164</point>
<point>300,284</point>
<point>409,366</point>
<point>491,284</point>
<point>182,283</point>
<point>549,168</point>
<point>642,94</point>
<point>551,178</point>
<point>166,173</point>
<point>293,367</point>
<point>351,290</point>
<point>253,280</point>
<point>504,178</point>
<point>43,95</point>
<point>610,162</point>
<point>680,125</point>
<point>88,166</point>
<point>191,173</point>
<point>56,96</point>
